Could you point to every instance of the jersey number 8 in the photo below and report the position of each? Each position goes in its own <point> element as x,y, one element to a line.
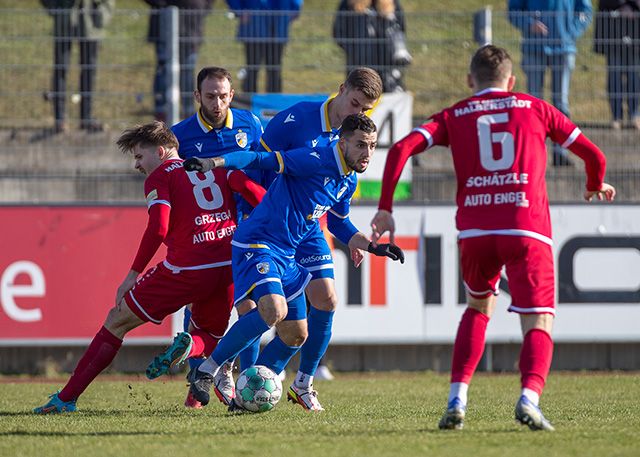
<point>199,185</point>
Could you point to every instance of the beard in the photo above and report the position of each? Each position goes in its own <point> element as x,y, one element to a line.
<point>211,117</point>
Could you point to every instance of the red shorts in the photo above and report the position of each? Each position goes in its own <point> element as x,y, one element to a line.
<point>529,268</point>
<point>161,292</point>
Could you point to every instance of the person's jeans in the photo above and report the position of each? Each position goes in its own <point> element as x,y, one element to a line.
<point>623,82</point>
<point>61,59</point>
<point>269,52</point>
<point>188,60</point>
<point>535,66</point>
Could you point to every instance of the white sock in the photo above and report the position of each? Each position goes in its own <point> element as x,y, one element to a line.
<point>304,381</point>
<point>533,397</point>
<point>209,366</point>
<point>459,389</point>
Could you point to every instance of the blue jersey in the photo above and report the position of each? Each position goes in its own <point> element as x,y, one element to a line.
<point>303,124</point>
<point>242,130</point>
<point>312,182</point>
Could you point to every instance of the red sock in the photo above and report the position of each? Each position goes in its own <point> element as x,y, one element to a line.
<point>96,358</point>
<point>469,345</point>
<point>203,343</point>
<point>535,359</point>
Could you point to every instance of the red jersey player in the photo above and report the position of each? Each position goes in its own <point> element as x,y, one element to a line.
<point>194,215</point>
<point>497,139</point>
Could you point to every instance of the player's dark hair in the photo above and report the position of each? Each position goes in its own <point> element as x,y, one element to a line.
<point>366,81</point>
<point>153,134</point>
<point>490,64</point>
<point>213,72</point>
<point>355,122</point>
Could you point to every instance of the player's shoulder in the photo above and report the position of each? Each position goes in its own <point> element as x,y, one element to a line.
<point>298,112</point>
<point>184,125</point>
<point>169,167</point>
<point>244,116</point>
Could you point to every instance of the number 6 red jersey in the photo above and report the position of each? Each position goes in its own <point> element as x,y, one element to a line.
<point>497,141</point>
<point>202,218</point>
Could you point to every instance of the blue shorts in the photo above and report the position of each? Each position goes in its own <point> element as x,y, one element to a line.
<point>259,271</point>
<point>314,255</point>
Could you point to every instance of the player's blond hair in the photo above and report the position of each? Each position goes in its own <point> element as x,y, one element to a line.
<point>153,134</point>
<point>366,81</point>
<point>491,64</point>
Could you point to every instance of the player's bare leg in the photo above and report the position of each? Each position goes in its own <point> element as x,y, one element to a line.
<point>98,356</point>
<point>535,361</point>
<point>467,352</point>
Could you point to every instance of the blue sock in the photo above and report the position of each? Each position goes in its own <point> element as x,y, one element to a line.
<point>249,355</point>
<point>241,334</point>
<point>313,349</point>
<point>276,355</point>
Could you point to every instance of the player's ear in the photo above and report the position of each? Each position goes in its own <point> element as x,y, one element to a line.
<point>511,83</point>
<point>470,80</point>
<point>231,94</point>
<point>161,152</point>
<point>196,95</point>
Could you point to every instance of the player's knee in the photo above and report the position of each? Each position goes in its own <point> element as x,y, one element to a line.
<point>483,305</point>
<point>273,309</point>
<point>294,333</point>
<point>323,296</point>
<point>245,306</point>
<point>120,320</point>
<point>536,321</point>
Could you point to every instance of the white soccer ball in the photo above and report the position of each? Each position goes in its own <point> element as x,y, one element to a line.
<point>258,389</point>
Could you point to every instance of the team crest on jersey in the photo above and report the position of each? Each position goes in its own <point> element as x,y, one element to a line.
<point>241,139</point>
<point>263,268</point>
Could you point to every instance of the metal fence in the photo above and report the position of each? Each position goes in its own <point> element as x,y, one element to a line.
<point>440,45</point>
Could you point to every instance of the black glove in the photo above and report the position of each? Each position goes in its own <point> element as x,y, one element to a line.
<point>387,250</point>
<point>192,164</point>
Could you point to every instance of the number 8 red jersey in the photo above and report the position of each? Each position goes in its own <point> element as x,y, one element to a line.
<point>497,140</point>
<point>203,214</point>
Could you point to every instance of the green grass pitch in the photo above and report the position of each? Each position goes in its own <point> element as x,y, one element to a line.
<point>373,414</point>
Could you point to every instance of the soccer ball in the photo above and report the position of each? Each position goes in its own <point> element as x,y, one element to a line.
<point>258,389</point>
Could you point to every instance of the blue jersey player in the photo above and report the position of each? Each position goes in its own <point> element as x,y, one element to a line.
<point>312,182</point>
<point>214,130</point>
<point>316,124</point>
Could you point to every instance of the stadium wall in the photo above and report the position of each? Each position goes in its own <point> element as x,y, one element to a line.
<point>59,267</point>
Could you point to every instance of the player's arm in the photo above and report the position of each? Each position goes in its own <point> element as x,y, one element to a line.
<point>583,15</point>
<point>340,225</point>
<point>414,143</point>
<point>595,164</point>
<point>154,235</point>
<point>251,191</point>
<point>237,161</point>
<point>564,132</point>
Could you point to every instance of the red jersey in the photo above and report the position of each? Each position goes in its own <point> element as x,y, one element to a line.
<point>497,140</point>
<point>202,218</point>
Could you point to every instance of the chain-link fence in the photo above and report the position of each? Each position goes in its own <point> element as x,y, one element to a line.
<point>38,148</point>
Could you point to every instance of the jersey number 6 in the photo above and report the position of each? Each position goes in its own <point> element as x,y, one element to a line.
<point>487,139</point>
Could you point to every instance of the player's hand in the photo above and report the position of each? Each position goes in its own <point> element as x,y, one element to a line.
<point>357,257</point>
<point>198,164</point>
<point>539,28</point>
<point>387,250</point>
<point>126,285</point>
<point>381,223</point>
<point>607,192</point>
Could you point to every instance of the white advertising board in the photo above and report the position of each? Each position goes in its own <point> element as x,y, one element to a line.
<point>597,254</point>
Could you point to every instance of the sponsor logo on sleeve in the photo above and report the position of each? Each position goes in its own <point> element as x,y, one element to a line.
<point>290,118</point>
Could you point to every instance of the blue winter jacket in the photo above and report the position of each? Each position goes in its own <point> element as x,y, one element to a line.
<point>264,20</point>
<point>566,20</point>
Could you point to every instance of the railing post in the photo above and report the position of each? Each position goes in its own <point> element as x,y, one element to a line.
<point>169,34</point>
<point>482,28</point>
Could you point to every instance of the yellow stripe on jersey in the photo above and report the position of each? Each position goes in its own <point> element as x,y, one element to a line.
<point>265,146</point>
<point>280,161</point>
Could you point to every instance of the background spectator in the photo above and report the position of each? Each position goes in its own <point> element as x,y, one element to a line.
<point>549,32</point>
<point>264,30</point>
<point>617,36</point>
<point>83,21</point>
<point>372,34</point>
<point>192,14</point>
